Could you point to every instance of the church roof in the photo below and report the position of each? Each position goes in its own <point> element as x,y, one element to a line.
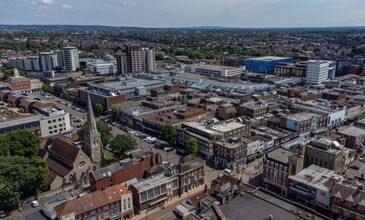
<point>57,167</point>
<point>64,149</point>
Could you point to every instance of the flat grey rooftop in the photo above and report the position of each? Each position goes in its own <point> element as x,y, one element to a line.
<point>145,184</point>
<point>280,155</point>
<point>353,131</point>
<point>302,116</point>
<point>315,176</point>
<point>249,207</point>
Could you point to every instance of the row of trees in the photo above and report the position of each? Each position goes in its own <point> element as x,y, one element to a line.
<point>22,172</point>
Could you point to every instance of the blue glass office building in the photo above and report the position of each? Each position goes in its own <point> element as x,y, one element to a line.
<point>265,64</point>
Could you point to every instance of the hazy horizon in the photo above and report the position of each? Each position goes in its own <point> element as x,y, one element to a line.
<point>186,13</point>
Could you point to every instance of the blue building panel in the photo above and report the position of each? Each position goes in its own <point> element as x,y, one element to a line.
<point>265,64</point>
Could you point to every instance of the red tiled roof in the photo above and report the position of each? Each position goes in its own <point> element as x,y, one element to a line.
<point>39,105</point>
<point>92,201</point>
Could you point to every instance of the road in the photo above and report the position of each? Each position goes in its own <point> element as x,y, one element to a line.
<point>173,157</point>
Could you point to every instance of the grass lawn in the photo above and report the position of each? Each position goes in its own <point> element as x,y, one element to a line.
<point>109,156</point>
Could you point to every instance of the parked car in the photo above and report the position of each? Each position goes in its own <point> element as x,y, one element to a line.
<point>153,140</point>
<point>34,203</point>
<point>168,149</point>
<point>2,214</point>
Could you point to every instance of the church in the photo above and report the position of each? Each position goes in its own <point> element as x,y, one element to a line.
<point>69,163</point>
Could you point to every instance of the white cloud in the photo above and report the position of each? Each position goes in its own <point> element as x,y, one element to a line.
<point>45,2</point>
<point>129,4</point>
<point>48,2</point>
<point>67,7</point>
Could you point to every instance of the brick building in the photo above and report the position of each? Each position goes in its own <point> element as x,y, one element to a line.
<point>257,109</point>
<point>226,111</point>
<point>123,171</point>
<point>348,201</point>
<point>355,136</point>
<point>328,154</point>
<point>112,203</point>
<point>291,69</point>
<point>190,171</point>
<point>154,191</point>
<point>279,164</point>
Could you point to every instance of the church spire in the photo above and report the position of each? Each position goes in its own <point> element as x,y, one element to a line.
<point>92,137</point>
<point>91,128</point>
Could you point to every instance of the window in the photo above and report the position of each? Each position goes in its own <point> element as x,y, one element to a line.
<point>106,207</point>
<point>175,183</point>
<point>150,194</point>
<point>129,202</point>
<point>143,196</point>
<point>157,191</point>
<point>163,189</point>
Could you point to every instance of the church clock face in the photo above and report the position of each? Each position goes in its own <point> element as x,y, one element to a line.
<point>82,164</point>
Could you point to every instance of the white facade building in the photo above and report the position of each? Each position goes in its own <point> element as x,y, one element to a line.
<point>211,70</point>
<point>317,72</point>
<point>54,121</point>
<point>71,58</point>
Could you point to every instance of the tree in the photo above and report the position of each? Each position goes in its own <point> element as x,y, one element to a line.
<point>122,143</point>
<point>8,194</point>
<point>20,177</point>
<point>19,143</point>
<point>99,108</point>
<point>104,130</point>
<point>115,112</point>
<point>169,133</point>
<point>9,73</point>
<point>159,56</point>
<point>47,88</point>
<point>193,146</point>
<point>68,97</point>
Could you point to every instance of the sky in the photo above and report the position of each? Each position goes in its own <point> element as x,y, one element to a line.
<point>186,13</point>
